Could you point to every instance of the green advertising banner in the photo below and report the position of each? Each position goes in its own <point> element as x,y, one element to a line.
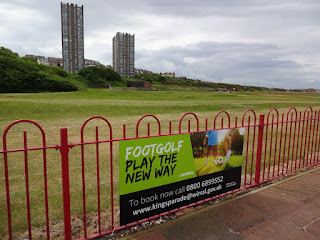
<point>152,162</point>
<point>159,174</point>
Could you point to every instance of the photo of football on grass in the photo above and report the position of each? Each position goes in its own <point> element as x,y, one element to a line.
<point>217,150</point>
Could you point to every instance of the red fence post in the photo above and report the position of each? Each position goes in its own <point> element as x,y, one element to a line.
<point>64,150</point>
<point>259,149</point>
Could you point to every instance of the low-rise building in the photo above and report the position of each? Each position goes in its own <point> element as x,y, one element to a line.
<point>89,63</point>
<point>310,90</point>
<point>58,62</point>
<point>31,56</point>
<point>142,71</point>
<point>37,57</point>
<point>43,61</point>
<point>55,62</point>
<point>137,71</point>
<point>168,74</point>
<point>40,57</point>
<point>50,61</point>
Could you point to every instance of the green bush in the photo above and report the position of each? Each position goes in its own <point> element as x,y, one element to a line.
<point>54,70</point>
<point>22,75</point>
<point>29,59</point>
<point>151,77</point>
<point>55,84</point>
<point>8,53</point>
<point>99,75</point>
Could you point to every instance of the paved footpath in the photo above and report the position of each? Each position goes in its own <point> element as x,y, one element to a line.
<point>288,209</point>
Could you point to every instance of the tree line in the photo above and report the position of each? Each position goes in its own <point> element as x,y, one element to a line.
<point>24,74</point>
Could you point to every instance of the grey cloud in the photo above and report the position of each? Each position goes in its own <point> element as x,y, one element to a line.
<point>229,62</point>
<point>268,42</point>
<point>234,8</point>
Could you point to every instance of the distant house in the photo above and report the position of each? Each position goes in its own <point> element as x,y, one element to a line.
<point>183,78</point>
<point>168,74</point>
<point>138,70</point>
<point>43,60</point>
<point>56,62</point>
<point>142,71</point>
<point>310,90</point>
<point>40,59</point>
<point>89,63</point>
<point>147,72</point>
<point>30,56</point>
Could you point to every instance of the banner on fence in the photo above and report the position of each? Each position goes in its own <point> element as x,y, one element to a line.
<point>159,174</point>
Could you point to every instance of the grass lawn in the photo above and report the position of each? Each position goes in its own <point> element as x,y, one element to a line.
<point>55,110</point>
<point>210,167</point>
<point>124,103</point>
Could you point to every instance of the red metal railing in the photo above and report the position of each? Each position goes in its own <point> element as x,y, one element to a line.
<point>273,147</point>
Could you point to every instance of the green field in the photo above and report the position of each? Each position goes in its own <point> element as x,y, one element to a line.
<point>80,105</point>
<point>210,167</point>
<point>55,110</point>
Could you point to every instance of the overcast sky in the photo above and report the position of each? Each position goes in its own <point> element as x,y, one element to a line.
<point>273,43</point>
